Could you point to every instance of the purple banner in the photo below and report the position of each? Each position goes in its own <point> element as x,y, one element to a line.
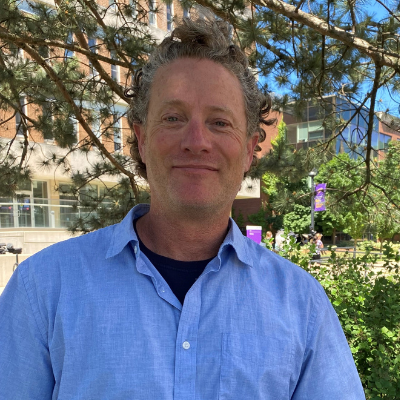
<point>319,200</point>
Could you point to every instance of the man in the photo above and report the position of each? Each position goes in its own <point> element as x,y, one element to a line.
<point>174,302</point>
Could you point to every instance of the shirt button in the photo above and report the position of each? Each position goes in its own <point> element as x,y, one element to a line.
<point>186,345</point>
<point>135,249</point>
<point>162,290</point>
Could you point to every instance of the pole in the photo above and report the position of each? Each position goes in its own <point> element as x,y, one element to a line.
<point>312,203</point>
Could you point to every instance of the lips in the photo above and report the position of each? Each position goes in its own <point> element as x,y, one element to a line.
<point>195,167</point>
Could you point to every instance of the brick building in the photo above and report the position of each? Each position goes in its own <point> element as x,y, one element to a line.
<point>40,212</point>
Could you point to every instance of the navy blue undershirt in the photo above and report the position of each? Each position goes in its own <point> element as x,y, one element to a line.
<point>179,275</point>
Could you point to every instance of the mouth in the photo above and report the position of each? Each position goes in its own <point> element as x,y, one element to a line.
<point>195,167</point>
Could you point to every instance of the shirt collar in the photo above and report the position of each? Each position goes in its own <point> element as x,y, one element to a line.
<point>238,242</point>
<point>125,233</point>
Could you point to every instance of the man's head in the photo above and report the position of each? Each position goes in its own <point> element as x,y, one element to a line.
<point>201,39</point>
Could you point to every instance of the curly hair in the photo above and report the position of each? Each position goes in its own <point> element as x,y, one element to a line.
<point>202,39</point>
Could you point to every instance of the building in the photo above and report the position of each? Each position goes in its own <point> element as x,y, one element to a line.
<point>40,212</point>
<point>314,126</point>
<point>311,128</point>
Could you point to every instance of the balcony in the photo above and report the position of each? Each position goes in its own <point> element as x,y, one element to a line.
<point>28,212</point>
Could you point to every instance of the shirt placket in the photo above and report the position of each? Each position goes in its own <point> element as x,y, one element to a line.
<point>186,346</point>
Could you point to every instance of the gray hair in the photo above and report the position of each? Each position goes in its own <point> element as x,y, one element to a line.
<point>203,39</point>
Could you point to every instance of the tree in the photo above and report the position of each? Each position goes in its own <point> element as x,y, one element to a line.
<point>58,67</point>
<point>307,51</point>
<point>304,50</point>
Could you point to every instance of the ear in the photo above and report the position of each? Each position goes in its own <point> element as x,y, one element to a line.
<point>141,138</point>
<point>250,146</point>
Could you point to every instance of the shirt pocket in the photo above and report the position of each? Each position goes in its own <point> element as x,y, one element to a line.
<point>254,367</point>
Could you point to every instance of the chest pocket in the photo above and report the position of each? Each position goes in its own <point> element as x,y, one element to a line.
<point>254,367</point>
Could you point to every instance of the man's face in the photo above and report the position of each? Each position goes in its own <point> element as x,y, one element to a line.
<point>194,143</point>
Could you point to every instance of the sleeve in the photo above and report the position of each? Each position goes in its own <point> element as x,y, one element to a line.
<point>328,371</point>
<point>25,367</point>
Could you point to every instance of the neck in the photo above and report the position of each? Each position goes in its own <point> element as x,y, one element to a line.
<point>183,238</point>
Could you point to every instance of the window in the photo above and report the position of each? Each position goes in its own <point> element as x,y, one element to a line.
<point>74,132</point>
<point>291,134</point>
<point>68,205</point>
<point>152,13</point>
<point>117,132</point>
<point>96,128</point>
<point>114,68</point>
<point>20,123</point>
<point>169,16</point>
<point>302,132</point>
<point>186,12</point>
<point>47,116</point>
<point>26,7</point>
<point>315,131</point>
<point>383,141</point>
<point>93,49</point>
<point>134,8</point>
<point>70,40</point>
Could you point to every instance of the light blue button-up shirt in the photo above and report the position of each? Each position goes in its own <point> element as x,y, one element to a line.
<point>92,319</point>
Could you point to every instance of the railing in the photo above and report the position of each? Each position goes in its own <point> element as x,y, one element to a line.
<point>40,213</point>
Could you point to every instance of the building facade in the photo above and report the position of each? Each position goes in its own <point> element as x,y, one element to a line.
<point>41,211</point>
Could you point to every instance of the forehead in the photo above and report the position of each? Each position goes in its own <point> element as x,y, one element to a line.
<point>197,81</point>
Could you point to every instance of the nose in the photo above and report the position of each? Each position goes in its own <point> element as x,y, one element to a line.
<point>196,138</point>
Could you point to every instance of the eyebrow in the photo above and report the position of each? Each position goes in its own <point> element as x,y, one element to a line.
<point>180,103</point>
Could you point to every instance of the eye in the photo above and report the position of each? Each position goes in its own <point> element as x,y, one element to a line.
<point>221,123</point>
<point>171,119</point>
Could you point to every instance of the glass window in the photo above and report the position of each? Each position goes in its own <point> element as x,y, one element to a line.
<point>316,135</point>
<point>345,133</point>
<point>39,189</point>
<point>114,68</point>
<point>374,140</point>
<point>383,141</point>
<point>68,205</point>
<point>88,193</point>
<point>6,212</point>
<point>26,7</point>
<point>117,132</point>
<point>69,40</point>
<point>302,132</point>
<point>152,13</point>
<point>47,115</point>
<point>314,113</point>
<point>363,119</point>
<point>20,123</point>
<point>93,49</point>
<point>169,16</point>
<point>96,127</point>
<point>40,201</point>
<point>186,12</point>
<point>291,134</point>
<point>134,8</point>
<point>74,124</point>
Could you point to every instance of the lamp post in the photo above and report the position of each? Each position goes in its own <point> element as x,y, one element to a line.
<point>312,175</point>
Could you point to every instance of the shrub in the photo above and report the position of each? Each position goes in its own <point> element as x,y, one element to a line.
<point>367,301</point>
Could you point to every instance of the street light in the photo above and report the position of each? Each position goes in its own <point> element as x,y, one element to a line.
<point>312,175</point>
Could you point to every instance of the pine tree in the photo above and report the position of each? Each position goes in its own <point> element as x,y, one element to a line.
<point>302,50</point>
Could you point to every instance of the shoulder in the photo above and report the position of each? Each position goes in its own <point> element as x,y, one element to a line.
<point>69,253</point>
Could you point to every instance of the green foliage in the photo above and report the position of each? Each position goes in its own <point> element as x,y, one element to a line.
<point>366,297</point>
<point>298,220</point>
<point>266,218</point>
<point>239,219</point>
